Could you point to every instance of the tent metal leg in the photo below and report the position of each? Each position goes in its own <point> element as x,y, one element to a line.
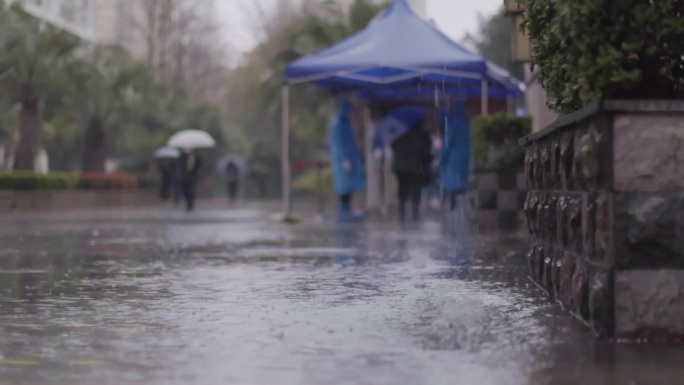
<point>484,106</point>
<point>371,175</point>
<point>285,152</point>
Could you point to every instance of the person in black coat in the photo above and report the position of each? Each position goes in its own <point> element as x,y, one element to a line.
<point>411,160</point>
<point>232,175</point>
<point>165,168</point>
<point>190,164</point>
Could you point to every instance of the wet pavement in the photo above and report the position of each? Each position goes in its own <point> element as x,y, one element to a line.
<point>225,297</point>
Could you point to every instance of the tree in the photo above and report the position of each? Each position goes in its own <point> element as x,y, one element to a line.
<point>184,46</point>
<point>253,102</point>
<point>99,90</point>
<point>32,56</point>
<point>493,41</point>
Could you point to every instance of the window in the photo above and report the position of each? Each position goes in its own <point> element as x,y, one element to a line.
<point>85,11</point>
<point>77,12</point>
<point>68,10</point>
<point>123,22</point>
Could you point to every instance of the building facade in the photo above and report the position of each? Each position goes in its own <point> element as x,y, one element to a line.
<point>97,21</point>
<point>75,16</point>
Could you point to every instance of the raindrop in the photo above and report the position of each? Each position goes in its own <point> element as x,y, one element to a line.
<point>547,260</point>
<point>559,263</point>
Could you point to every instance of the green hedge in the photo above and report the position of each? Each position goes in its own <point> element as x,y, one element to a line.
<point>307,182</point>
<point>598,49</point>
<point>500,133</point>
<point>33,181</point>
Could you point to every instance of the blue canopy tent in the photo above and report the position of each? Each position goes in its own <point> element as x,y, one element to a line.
<point>398,56</point>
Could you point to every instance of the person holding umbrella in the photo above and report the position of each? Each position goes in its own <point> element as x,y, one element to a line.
<point>406,131</point>
<point>166,165</point>
<point>190,165</point>
<point>189,162</point>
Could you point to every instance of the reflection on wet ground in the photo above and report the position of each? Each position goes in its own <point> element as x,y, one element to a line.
<point>224,297</point>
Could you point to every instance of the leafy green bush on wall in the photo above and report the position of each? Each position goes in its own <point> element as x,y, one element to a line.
<point>495,139</point>
<point>593,49</point>
<point>33,181</point>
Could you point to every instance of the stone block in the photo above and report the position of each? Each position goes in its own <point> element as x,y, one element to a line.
<point>580,289</point>
<point>548,270</point>
<point>536,261</point>
<point>649,230</point>
<point>550,218</point>
<point>649,303</point>
<point>507,180</point>
<point>554,179</point>
<point>649,152</point>
<point>522,197</point>
<point>487,181</point>
<point>529,167</point>
<point>488,200</point>
<point>530,209</point>
<point>556,264</point>
<point>545,150</point>
<point>591,159</point>
<point>567,156</point>
<point>601,301</point>
<point>521,182</point>
<point>566,270</point>
<point>599,231</point>
<point>488,222</point>
<point>509,221</point>
<point>535,167</point>
<point>508,200</point>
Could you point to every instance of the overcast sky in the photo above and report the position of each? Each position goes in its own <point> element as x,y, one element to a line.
<point>455,17</point>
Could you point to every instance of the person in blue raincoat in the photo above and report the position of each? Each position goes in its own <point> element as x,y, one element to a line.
<point>345,160</point>
<point>454,156</point>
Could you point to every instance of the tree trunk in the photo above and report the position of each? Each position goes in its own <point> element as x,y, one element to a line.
<point>28,130</point>
<point>94,149</point>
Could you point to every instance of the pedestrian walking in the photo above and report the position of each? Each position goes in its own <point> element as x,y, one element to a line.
<point>412,156</point>
<point>190,164</point>
<point>232,177</point>
<point>165,168</point>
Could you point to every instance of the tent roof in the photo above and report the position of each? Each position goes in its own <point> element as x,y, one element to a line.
<point>397,47</point>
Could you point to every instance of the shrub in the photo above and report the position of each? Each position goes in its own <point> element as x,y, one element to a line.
<point>593,49</point>
<point>21,180</point>
<point>107,181</point>
<point>496,136</point>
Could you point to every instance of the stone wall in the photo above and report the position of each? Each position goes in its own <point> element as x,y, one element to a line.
<point>32,201</point>
<point>605,212</point>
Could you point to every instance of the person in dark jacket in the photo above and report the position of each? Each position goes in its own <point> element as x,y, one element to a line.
<point>190,164</point>
<point>411,159</point>
<point>232,175</point>
<point>166,175</point>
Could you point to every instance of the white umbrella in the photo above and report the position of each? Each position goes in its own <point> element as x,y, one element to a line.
<point>191,139</point>
<point>239,162</point>
<point>167,153</point>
